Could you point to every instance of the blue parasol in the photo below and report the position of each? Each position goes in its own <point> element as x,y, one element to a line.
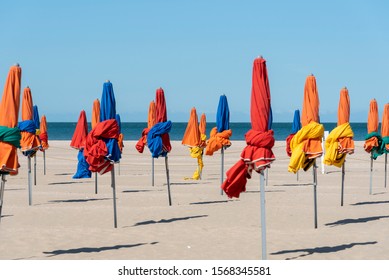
<point>223,114</point>
<point>296,126</point>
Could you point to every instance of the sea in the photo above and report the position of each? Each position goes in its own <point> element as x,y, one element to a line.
<point>133,130</point>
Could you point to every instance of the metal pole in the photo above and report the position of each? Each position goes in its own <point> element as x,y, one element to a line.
<point>168,181</point>
<point>29,181</point>
<point>314,191</point>
<point>386,166</point>
<point>152,171</point>
<point>115,223</point>
<point>263,214</point>
<point>95,182</point>
<point>2,192</point>
<point>35,170</point>
<point>44,162</point>
<point>342,193</point>
<point>371,174</point>
<point>222,169</point>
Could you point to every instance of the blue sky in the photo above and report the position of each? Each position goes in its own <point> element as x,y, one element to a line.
<point>196,51</point>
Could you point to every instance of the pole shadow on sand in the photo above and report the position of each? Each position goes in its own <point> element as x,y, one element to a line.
<point>163,221</point>
<point>321,250</point>
<point>93,249</point>
<point>356,221</point>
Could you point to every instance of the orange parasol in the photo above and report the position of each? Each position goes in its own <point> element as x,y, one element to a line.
<point>151,117</point>
<point>30,142</point>
<point>192,133</point>
<point>373,140</point>
<point>306,143</point>
<point>9,112</point>
<point>95,113</point>
<point>192,139</point>
<point>202,128</point>
<point>43,135</point>
<point>9,131</point>
<point>385,136</point>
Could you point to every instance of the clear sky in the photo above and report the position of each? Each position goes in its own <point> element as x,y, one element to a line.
<point>196,51</point>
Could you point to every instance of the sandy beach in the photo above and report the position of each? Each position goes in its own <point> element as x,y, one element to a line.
<point>67,220</point>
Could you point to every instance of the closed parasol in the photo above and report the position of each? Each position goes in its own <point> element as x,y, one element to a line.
<point>94,122</point>
<point>9,131</point>
<point>385,136</point>
<point>158,140</point>
<point>373,139</point>
<point>37,123</point>
<point>258,154</point>
<point>192,139</point>
<point>340,141</point>
<point>306,143</point>
<point>30,142</point>
<point>101,146</point>
<point>78,143</point>
<point>219,138</point>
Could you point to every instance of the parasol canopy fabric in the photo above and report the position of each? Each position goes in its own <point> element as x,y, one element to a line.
<point>385,129</point>
<point>9,114</point>
<point>108,103</point>
<point>158,140</point>
<point>373,139</point>
<point>192,139</point>
<point>97,147</point>
<point>78,142</point>
<point>80,133</point>
<point>203,128</point>
<point>95,113</point>
<point>220,135</point>
<point>30,142</point>
<point>340,141</point>
<point>306,143</point>
<point>296,126</point>
<point>121,137</point>
<point>82,167</point>
<point>191,136</point>
<point>223,114</point>
<point>258,154</point>
<point>36,120</point>
<point>44,135</point>
<point>155,139</point>
<point>142,142</point>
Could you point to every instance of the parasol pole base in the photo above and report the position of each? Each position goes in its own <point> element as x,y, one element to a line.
<point>2,187</point>
<point>152,171</point>
<point>113,185</point>
<point>222,169</point>
<point>44,162</point>
<point>315,192</point>
<point>342,192</point>
<point>386,168</point>
<point>371,174</point>
<point>263,214</point>
<point>29,181</point>
<point>35,170</point>
<point>168,180</point>
<point>95,182</point>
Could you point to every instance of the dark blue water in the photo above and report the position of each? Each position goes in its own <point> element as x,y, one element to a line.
<point>133,130</point>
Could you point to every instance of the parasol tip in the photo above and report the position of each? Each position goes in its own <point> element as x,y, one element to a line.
<point>17,64</point>
<point>311,74</point>
<point>345,87</point>
<point>107,81</point>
